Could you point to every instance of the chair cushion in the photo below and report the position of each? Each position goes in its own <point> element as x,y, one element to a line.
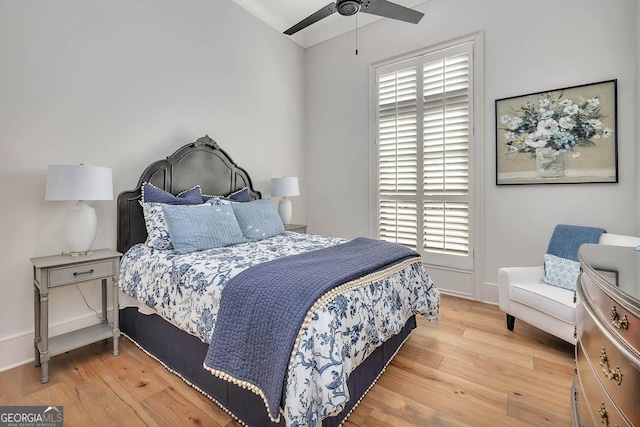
<point>554,301</point>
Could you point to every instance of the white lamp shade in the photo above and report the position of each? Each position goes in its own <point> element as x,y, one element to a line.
<point>285,187</point>
<point>78,182</point>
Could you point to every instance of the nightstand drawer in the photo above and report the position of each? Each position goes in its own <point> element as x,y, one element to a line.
<point>80,273</point>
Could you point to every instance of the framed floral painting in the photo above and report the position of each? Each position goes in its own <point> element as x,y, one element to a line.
<point>560,136</point>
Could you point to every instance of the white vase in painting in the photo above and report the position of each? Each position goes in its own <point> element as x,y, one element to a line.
<point>550,163</point>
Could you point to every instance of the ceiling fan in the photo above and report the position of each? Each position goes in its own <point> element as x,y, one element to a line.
<point>351,7</point>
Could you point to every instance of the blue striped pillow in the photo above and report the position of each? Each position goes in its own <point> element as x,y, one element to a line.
<point>197,228</point>
<point>258,219</point>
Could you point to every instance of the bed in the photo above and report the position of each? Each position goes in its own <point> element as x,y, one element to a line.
<point>170,303</point>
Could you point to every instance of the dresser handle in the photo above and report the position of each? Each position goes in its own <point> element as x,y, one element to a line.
<point>603,415</point>
<point>575,332</point>
<point>609,374</point>
<point>618,323</point>
<point>79,273</point>
<point>604,418</point>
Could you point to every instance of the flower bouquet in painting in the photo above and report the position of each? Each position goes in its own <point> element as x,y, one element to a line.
<point>551,129</point>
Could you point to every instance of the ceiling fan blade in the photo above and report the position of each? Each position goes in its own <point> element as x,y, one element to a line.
<point>391,10</point>
<point>312,19</point>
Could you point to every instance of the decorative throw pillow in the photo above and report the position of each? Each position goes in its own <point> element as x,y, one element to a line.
<point>157,229</point>
<point>153,194</point>
<point>258,219</point>
<point>156,224</point>
<point>217,201</point>
<point>242,196</point>
<point>560,272</point>
<point>197,228</point>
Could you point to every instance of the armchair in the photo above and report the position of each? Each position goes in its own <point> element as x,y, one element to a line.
<point>550,308</point>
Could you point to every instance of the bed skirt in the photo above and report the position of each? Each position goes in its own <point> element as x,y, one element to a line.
<point>183,354</point>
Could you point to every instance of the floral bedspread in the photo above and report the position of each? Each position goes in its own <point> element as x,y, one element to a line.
<point>186,290</point>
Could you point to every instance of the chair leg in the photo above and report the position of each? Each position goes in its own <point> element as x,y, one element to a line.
<point>511,322</point>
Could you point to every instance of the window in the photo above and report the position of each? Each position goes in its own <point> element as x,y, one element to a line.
<point>424,137</point>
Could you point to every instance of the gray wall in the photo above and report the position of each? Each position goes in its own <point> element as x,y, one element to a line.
<point>121,84</point>
<point>637,120</point>
<point>528,47</point>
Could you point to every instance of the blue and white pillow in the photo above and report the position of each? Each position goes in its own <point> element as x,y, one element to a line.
<point>157,229</point>
<point>153,194</point>
<point>560,272</point>
<point>258,219</point>
<point>243,195</point>
<point>197,228</point>
<point>217,201</point>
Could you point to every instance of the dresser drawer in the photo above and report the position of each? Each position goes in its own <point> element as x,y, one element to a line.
<point>80,273</point>
<point>584,414</point>
<point>600,407</point>
<point>620,321</point>
<point>613,369</point>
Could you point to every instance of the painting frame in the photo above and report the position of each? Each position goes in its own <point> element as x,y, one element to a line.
<point>560,136</point>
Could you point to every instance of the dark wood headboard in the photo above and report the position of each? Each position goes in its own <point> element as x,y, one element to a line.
<point>202,162</point>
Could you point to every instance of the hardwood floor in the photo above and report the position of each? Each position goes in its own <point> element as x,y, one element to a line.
<point>468,370</point>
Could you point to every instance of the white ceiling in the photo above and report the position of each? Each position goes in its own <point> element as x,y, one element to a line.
<point>283,14</point>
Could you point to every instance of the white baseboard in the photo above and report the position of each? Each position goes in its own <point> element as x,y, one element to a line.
<point>456,293</point>
<point>490,293</point>
<point>18,349</point>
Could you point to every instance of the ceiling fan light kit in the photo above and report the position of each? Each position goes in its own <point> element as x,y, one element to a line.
<point>382,8</point>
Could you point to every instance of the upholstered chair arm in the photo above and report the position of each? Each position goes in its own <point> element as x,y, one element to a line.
<point>509,275</point>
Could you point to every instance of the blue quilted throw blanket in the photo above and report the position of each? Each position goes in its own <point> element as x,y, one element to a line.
<point>262,310</point>
<point>566,240</point>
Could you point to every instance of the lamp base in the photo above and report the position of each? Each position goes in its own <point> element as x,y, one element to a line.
<point>78,253</point>
<point>285,209</point>
<point>81,226</point>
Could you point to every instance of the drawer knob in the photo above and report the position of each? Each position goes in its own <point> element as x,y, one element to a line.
<point>618,323</point>
<point>80,273</point>
<point>609,374</point>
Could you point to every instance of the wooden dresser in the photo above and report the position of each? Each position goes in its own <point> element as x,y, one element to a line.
<point>607,389</point>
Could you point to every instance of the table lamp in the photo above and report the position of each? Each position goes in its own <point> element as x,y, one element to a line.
<point>80,183</point>
<point>285,187</point>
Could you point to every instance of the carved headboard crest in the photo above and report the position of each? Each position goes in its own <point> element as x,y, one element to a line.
<point>206,140</point>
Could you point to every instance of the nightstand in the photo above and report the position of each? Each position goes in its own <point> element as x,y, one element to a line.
<point>60,270</point>
<point>298,228</point>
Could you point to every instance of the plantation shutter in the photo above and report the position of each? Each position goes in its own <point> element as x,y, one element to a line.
<point>424,122</point>
<point>398,155</point>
